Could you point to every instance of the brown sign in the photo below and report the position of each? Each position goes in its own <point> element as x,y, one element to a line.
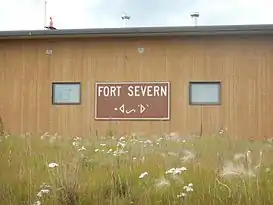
<point>132,101</point>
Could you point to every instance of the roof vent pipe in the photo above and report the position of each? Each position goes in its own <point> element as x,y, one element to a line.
<point>125,19</point>
<point>195,16</point>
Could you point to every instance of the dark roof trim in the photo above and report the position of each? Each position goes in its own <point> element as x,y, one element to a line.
<point>142,32</point>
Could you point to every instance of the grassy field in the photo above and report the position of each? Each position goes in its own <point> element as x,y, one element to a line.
<point>135,170</point>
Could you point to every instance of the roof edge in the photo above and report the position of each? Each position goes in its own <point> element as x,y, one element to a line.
<point>264,29</point>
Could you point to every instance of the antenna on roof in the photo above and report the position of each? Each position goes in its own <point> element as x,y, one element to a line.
<point>125,19</point>
<point>45,14</point>
<point>50,27</point>
<point>195,16</point>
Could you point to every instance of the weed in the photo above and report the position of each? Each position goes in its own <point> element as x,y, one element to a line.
<point>135,170</point>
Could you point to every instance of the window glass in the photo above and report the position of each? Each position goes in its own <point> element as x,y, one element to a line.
<point>66,93</point>
<point>205,93</point>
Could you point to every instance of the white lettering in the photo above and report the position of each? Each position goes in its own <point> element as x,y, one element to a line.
<point>109,91</point>
<point>163,90</point>
<point>100,90</point>
<point>130,91</point>
<point>156,90</point>
<point>149,91</point>
<point>137,91</point>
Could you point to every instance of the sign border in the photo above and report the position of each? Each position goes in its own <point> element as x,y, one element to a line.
<point>131,118</point>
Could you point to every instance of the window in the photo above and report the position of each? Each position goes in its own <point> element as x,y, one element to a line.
<point>205,93</point>
<point>66,93</point>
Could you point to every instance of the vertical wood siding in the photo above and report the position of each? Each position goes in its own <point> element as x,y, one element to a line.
<point>243,65</point>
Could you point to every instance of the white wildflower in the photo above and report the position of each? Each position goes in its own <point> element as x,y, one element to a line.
<point>222,131</point>
<point>175,171</point>
<point>75,144</point>
<point>76,139</point>
<point>96,150</point>
<point>119,152</point>
<point>42,191</point>
<point>181,195</point>
<point>170,171</point>
<point>103,145</point>
<point>121,144</point>
<point>37,203</point>
<point>52,165</point>
<point>188,188</point>
<point>46,134</point>
<point>142,175</point>
<point>109,151</point>
<point>161,138</point>
<point>82,148</point>
<point>121,138</point>
<point>148,142</point>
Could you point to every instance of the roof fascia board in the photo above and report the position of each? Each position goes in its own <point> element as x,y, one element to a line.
<point>140,32</point>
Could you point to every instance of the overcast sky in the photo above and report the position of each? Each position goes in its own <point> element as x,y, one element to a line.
<point>67,14</point>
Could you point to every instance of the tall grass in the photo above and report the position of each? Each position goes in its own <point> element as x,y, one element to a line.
<point>135,170</point>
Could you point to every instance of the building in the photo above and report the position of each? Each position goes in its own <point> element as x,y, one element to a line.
<point>227,68</point>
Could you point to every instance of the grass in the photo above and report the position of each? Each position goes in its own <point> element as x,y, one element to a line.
<point>210,171</point>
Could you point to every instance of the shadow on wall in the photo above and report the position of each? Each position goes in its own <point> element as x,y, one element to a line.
<point>1,126</point>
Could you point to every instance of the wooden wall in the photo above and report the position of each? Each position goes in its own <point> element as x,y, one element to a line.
<point>244,65</point>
